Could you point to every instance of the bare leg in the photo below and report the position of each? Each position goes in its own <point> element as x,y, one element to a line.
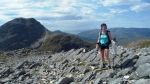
<point>103,58</point>
<point>102,55</point>
<point>107,56</point>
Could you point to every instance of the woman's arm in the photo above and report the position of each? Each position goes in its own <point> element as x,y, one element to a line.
<point>98,38</point>
<point>97,43</point>
<point>110,37</point>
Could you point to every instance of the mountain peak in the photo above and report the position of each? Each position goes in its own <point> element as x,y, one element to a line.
<point>20,33</point>
<point>22,18</point>
<point>26,21</point>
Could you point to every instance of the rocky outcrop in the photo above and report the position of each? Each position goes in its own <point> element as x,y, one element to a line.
<point>75,67</point>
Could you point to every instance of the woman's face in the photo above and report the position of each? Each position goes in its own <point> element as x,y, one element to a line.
<point>103,28</point>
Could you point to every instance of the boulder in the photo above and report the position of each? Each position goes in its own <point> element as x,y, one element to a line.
<point>115,81</point>
<point>143,60</point>
<point>89,76</point>
<point>65,80</point>
<point>142,81</point>
<point>143,70</point>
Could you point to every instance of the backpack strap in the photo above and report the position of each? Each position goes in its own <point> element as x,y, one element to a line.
<point>108,36</point>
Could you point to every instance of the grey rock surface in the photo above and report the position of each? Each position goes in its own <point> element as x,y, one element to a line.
<point>131,66</point>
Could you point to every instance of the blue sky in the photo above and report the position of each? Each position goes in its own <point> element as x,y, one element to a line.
<point>78,15</point>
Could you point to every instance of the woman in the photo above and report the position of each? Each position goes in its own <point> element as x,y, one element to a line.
<point>103,42</point>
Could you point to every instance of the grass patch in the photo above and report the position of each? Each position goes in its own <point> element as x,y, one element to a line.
<point>3,58</point>
<point>144,44</point>
<point>140,44</point>
<point>82,63</point>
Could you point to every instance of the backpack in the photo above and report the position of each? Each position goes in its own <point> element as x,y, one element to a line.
<point>105,43</point>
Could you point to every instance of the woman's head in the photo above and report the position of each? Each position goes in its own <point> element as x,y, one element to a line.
<point>103,26</point>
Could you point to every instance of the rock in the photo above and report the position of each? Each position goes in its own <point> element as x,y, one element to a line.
<point>143,60</point>
<point>87,55</point>
<point>6,72</point>
<point>22,64</point>
<point>123,72</point>
<point>104,74</point>
<point>142,81</point>
<point>64,66</point>
<point>75,68</point>
<point>84,70</point>
<point>28,65</point>
<point>143,70</point>
<point>19,73</point>
<point>65,80</point>
<point>134,76</point>
<point>4,80</point>
<point>89,76</point>
<point>129,62</point>
<point>76,53</point>
<point>65,61</point>
<point>115,81</point>
<point>73,83</point>
<point>93,57</point>
<point>98,81</point>
<point>29,81</point>
<point>93,64</point>
<point>101,81</point>
<point>35,65</point>
<point>50,56</point>
<point>26,76</point>
<point>71,69</point>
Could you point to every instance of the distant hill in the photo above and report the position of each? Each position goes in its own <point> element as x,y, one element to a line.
<point>29,33</point>
<point>20,33</point>
<point>123,35</point>
<point>58,41</point>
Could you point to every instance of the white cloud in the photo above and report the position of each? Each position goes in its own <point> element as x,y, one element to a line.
<point>110,2</point>
<point>117,11</point>
<point>65,6</point>
<point>106,16</point>
<point>69,12</point>
<point>12,4</point>
<point>86,11</point>
<point>4,18</point>
<point>140,7</point>
<point>38,8</point>
<point>133,5</point>
<point>107,3</point>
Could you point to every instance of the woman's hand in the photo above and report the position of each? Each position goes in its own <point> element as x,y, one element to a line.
<point>113,42</point>
<point>97,46</point>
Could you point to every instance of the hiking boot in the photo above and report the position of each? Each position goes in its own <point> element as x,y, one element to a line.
<point>104,65</point>
<point>109,67</point>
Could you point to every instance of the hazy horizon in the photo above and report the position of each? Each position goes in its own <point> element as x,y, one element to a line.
<point>79,31</point>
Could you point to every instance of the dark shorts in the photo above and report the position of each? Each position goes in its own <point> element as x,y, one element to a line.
<point>104,47</point>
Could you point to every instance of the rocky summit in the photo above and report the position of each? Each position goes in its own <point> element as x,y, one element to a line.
<point>76,66</point>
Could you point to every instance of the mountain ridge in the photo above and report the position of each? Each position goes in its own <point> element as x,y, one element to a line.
<point>123,35</point>
<point>29,33</point>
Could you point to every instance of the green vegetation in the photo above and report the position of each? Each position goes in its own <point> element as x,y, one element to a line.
<point>145,43</point>
<point>3,58</point>
<point>140,44</point>
<point>59,42</point>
